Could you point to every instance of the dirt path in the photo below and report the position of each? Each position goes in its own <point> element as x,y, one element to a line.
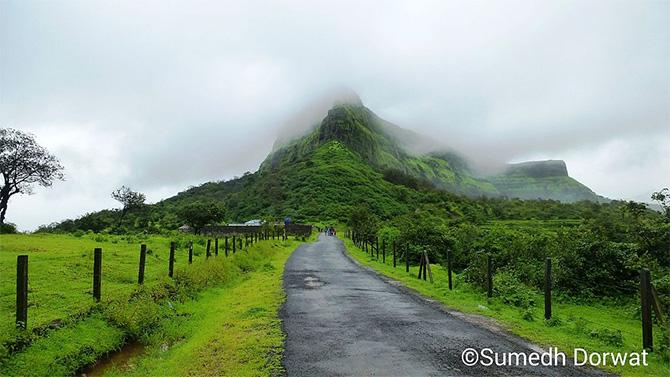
<point>343,320</point>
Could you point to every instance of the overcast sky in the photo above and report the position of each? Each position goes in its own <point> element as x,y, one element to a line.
<point>163,95</point>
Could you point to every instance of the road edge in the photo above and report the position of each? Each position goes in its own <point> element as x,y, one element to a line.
<point>487,323</point>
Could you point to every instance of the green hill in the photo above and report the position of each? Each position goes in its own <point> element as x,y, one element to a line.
<point>353,157</point>
<point>542,180</point>
<point>373,140</point>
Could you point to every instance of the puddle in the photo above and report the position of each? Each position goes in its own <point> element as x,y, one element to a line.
<point>313,282</point>
<point>120,360</point>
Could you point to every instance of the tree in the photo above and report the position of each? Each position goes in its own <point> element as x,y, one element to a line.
<point>663,198</point>
<point>201,213</point>
<point>363,222</point>
<point>130,199</point>
<point>24,163</point>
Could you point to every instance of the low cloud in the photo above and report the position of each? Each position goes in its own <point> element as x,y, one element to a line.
<point>160,96</point>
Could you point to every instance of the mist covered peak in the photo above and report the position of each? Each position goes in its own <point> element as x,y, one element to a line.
<point>309,117</point>
<point>539,169</point>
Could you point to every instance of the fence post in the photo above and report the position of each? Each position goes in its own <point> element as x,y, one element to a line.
<point>97,273</point>
<point>547,288</point>
<point>190,252</point>
<point>406,259</point>
<point>209,244</point>
<point>420,266</point>
<point>171,262</point>
<point>645,295</point>
<point>22,291</point>
<point>384,250</point>
<point>489,277</point>
<point>143,258</point>
<point>225,247</point>
<point>234,244</point>
<point>427,267</point>
<point>216,247</point>
<point>449,268</point>
<point>377,246</point>
<point>394,255</point>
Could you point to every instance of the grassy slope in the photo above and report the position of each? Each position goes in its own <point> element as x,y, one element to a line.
<point>227,331</point>
<point>60,273</point>
<point>59,283</point>
<point>325,184</point>
<point>561,188</point>
<point>577,322</point>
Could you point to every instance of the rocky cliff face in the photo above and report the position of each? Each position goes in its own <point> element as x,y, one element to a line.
<point>541,180</point>
<point>538,169</point>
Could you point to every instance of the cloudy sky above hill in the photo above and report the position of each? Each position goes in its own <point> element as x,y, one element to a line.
<point>163,95</point>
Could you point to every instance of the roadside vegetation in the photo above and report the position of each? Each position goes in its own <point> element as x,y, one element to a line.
<point>596,265</point>
<point>68,330</point>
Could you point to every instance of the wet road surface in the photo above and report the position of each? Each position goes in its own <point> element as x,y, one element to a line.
<point>343,320</point>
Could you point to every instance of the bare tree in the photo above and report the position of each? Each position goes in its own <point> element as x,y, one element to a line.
<point>24,163</point>
<point>129,198</point>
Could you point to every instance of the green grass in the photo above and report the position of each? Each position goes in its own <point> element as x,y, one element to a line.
<point>67,330</point>
<point>60,273</point>
<point>228,331</point>
<point>574,328</point>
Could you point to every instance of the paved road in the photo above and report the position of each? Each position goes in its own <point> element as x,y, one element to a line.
<point>343,320</point>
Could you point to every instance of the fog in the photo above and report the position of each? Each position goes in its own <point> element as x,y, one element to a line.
<point>163,95</point>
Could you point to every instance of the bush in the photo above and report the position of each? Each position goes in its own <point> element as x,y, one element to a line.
<point>609,337</point>
<point>664,345</point>
<point>7,228</point>
<point>512,291</point>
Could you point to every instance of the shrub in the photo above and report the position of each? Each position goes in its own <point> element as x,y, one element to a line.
<point>553,322</point>
<point>512,291</point>
<point>609,337</point>
<point>664,344</point>
<point>7,228</point>
<point>528,315</point>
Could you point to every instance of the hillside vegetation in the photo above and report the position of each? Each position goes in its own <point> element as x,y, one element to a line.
<point>355,157</point>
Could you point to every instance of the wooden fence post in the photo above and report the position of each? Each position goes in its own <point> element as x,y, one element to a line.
<point>420,266</point>
<point>427,267</point>
<point>449,268</point>
<point>406,259</point>
<point>645,296</point>
<point>225,247</point>
<point>171,261</point>
<point>489,275</point>
<point>216,247</point>
<point>234,244</point>
<point>143,259</point>
<point>394,254</point>
<point>190,252</point>
<point>209,244</point>
<point>97,273</point>
<point>22,291</point>
<point>547,288</point>
<point>384,250</point>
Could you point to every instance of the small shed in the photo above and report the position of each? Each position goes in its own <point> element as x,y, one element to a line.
<point>185,229</point>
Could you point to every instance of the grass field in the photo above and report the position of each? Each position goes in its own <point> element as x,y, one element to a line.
<point>227,331</point>
<point>67,330</point>
<point>592,327</point>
